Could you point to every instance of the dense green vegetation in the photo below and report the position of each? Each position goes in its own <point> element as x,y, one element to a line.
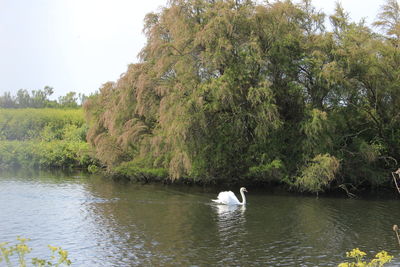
<point>43,138</point>
<point>229,90</point>
<point>44,124</point>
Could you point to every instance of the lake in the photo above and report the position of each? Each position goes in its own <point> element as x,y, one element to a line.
<point>101,222</point>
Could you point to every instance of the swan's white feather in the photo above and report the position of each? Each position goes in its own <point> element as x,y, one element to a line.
<point>227,198</point>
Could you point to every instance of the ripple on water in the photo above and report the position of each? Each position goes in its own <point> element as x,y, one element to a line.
<point>102,223</point>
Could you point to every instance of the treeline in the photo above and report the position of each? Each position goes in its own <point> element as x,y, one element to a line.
<point>40,99</point>
<point>256,93</point>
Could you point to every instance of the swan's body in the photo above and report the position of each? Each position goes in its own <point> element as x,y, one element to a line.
<point>229,198</point>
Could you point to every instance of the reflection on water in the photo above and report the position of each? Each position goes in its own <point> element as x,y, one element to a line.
<point>231,231</point>
<point>104,223</point>
<point>231,222</point>
<point>226,212</point>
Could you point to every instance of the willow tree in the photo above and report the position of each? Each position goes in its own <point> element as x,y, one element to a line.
<point>230,89</point>
<point>200,96</point>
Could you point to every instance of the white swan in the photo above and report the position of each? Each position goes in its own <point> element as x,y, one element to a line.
<point>229,198</point>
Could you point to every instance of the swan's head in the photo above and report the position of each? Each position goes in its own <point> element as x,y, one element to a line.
<point>243,189</point>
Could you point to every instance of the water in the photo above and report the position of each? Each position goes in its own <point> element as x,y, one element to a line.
<point>105,223</point>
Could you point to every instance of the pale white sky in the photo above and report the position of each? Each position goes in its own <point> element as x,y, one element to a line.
<point>77,45</point>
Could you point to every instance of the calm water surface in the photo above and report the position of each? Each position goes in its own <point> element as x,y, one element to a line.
<point>105,223</point>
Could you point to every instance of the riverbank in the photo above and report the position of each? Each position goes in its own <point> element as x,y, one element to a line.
<point>130,172</point>
<point>56,139</point>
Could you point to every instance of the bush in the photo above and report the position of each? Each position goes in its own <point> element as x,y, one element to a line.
<point>53,154</point>
<point>318,174</point>
<point>272,171</point>
<point>131,171</point>
<point>43,138</point>
<point>46,124</point>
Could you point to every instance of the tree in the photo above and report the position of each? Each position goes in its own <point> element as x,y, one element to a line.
<point>389,18</point>
<point>7,101</point>
<point>231,89</point>
<point>69,100</point>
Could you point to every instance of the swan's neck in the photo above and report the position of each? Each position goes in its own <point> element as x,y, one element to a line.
<point>243,198</point>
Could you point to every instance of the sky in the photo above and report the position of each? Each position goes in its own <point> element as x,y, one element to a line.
<point>78,45</point>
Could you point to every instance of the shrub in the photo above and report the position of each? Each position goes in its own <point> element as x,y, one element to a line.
<point>272,171</point>
<point>47,124</point>
<point>53,154</point>
<point>44,138</point>
<point>133,172</point>
<point>318,174</point>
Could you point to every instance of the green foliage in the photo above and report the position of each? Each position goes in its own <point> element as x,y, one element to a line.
<point>389,18</point>
<point>357,255</point>
<point>273,171</point>
<point>93,168</point>
<point>318,174</point>
<point>131,171</point>
<point>224,88</point>
<point>317,130</point>
<point>43,138</point>
<point>59,256</point>
<point>70,100</point>
<point>46,124</point>
<point>74,133</point>
<point>45,154</point>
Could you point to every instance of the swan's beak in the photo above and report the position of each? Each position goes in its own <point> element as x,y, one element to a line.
<point>245,190</point>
